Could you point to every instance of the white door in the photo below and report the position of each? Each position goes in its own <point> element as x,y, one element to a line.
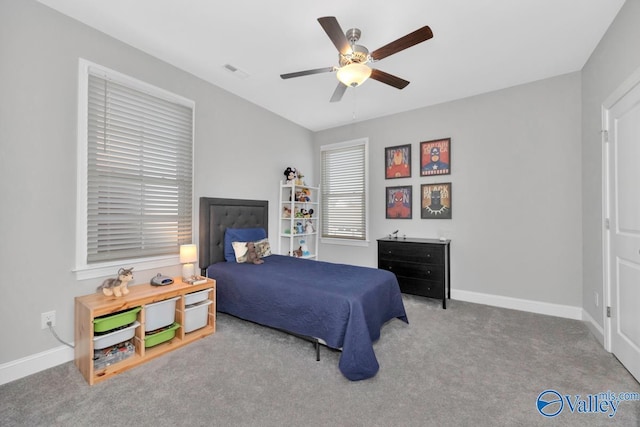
<point>623,128</point>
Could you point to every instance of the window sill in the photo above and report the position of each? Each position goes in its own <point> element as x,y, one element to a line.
<point>344,242</point>
<point>111,268</point>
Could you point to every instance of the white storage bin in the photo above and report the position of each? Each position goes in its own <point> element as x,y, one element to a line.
<point>159,314</point>
<point>115,337</point>
<point>196,297</point>
<point>196,316</point>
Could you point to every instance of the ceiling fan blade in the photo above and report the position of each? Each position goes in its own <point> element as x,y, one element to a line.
<point>308,72</point>
<point>389,79</point>
<point>337,94</point>
<point>335,33</point>
<point>411,39</point>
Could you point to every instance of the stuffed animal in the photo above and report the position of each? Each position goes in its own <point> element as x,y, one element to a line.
<point>290,175</point>
<point>304,248</point>
<point>308,227</point>
<point>252,254</point>
<point>117,286</point>
<point>298,252</point>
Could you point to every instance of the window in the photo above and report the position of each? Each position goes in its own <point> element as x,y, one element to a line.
<point>344,191</point>
<point>136,161</point>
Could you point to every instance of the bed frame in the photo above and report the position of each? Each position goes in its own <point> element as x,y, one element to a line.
<point>218,214</point>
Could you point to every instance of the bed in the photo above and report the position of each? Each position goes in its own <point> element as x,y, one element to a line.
<point>343,306</point>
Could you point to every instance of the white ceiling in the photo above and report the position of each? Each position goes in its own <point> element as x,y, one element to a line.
<point>478,46</point>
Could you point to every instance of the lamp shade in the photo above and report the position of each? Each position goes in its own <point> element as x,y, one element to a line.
<point>188,254</point>
<point>353,74</point>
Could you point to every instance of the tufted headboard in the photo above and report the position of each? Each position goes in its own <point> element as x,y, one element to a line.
<point>216,215</point>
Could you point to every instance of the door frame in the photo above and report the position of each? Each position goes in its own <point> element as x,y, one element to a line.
<point>629,84</point>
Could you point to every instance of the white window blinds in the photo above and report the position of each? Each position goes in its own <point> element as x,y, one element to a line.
<point>344,201</point>
<point>139,172</point>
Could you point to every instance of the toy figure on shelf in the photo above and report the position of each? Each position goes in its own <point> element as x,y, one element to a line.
<point>303,195</point>
<point>304,248</point>
<point>308,227</point>
<point>307,213</point>
<point>286,212</point>
<point>117,286</point>
<point>290,175</point>
<point>299,228</point>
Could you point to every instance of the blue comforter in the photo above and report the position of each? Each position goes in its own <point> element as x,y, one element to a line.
<point>344,305</point>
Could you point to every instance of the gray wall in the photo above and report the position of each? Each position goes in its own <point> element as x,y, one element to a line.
<point>526,169</point>
<point>612,62</point>
<point>516,209</point>
<point>241,151</point>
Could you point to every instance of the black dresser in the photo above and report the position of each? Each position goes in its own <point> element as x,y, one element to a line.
<point>421,265</point>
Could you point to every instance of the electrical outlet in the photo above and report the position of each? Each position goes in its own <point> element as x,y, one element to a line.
<point>49,316</point>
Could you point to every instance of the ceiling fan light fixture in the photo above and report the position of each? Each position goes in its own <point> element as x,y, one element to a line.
<point>353,74</point>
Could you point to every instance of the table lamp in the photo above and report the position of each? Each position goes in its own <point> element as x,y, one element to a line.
<point>188,255</point>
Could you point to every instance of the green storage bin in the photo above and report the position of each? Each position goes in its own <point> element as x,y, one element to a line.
<point>159,337</point>
<point>113,321</point>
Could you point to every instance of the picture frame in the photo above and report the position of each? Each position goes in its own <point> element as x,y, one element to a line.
<point>397,161</point>
<point>435,157</point>
<point>435,201</point>
<point>399,202</point>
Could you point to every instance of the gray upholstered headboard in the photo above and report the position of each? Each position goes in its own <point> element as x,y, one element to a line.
<point>216,215</point>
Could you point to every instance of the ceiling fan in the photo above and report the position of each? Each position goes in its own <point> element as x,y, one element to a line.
<point>354,58</point>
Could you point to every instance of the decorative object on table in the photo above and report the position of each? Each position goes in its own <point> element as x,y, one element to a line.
<point>399,202</point>
<point>397,161</point>
<point>160,280</point>
<point>188,255</point>
<point>252,254</point>
<point>290,175</point>
<point>435,201</point>
<point>117,286</point>
<point>435,157</point>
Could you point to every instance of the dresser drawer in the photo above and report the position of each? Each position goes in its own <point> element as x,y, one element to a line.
<point>411,252</point>
<point>412,269</point>
<point>425,288</point>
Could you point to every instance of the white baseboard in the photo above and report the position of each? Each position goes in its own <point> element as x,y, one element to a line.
<point>26,366</point>
<point>594,327</point>
<point>557,310</point>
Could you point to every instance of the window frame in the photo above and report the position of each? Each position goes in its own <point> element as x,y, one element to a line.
<point>83,269</point>
<point>341,145</point>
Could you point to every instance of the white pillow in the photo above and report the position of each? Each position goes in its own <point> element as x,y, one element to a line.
<point>263,249</point>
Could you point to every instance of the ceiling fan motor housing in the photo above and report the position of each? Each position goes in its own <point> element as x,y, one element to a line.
<point>359,54</point>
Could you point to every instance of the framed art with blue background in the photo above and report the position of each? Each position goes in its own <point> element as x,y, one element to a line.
<point>435,157</point>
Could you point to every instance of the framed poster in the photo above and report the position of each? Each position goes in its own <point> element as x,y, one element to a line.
<point>399,202</point>
<point>397,161</point>
<point>435,201</point>
<point>435,157</point>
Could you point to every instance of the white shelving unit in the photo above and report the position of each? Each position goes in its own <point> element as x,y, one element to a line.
<point>299,220</point>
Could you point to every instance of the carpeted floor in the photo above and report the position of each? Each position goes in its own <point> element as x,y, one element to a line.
<point>469,365</point>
